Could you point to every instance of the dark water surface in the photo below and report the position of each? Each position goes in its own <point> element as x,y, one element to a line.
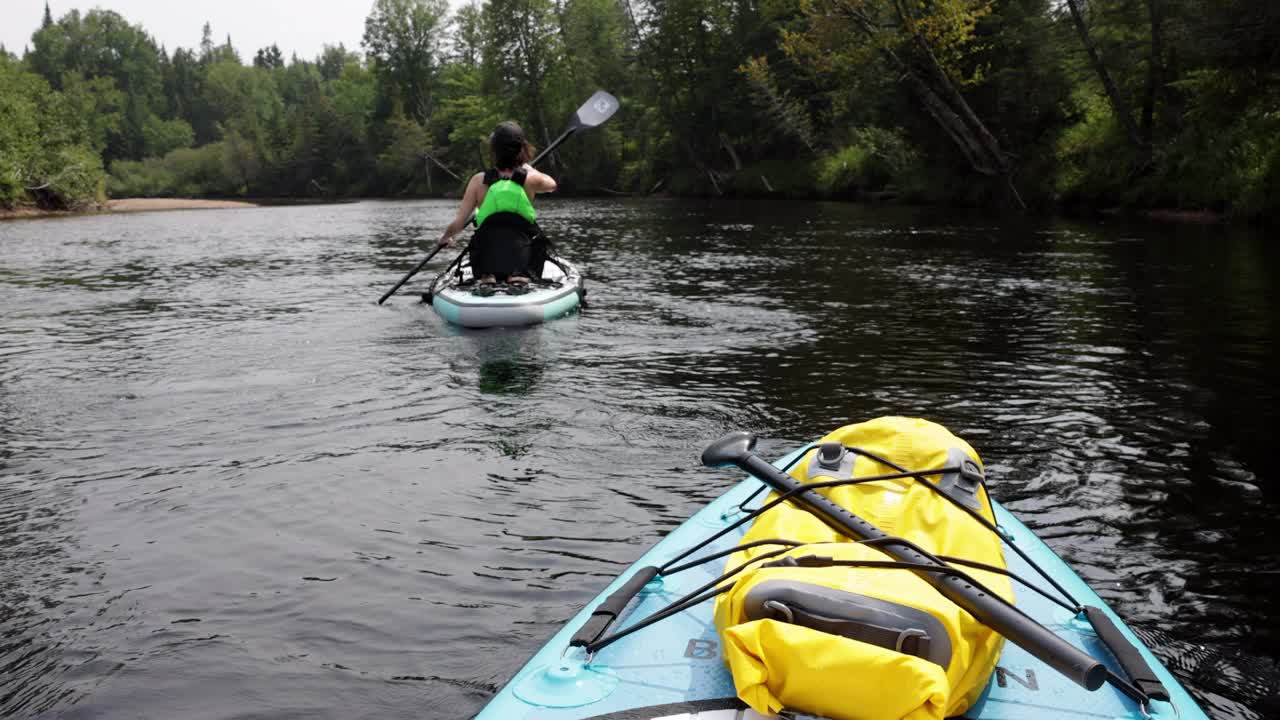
<point>231,486</point>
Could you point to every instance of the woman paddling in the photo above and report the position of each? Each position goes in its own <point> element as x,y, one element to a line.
<point>502,247</point>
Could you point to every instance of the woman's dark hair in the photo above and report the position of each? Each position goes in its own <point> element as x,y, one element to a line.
<point>508,146</point>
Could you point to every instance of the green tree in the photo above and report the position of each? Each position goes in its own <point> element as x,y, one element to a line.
<point>521,48</point>
<point>467,44</point>
<point>466,117</point>
<point>353,95</point>
<point>592,36</point>
<point>332,60</point>
<point>403,166</point>
<point>44,151</point>
<point>269,58</point>
<point>103,45</point>
<point>160,137</point>
<point>404,39</point>
<point>929,45</point>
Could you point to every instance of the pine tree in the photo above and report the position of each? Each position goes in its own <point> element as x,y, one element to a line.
<point>48,16</point>
<point>206,43</point>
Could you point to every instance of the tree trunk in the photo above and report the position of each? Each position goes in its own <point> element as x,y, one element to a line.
<point>558,8</point>
<point>1118,104</point>
<point>1155,74</point>
<point>951,124</point>
<point>702,167</point>
<point>984,140</point>
<point>986,143</point>
<point>711,175</point>
<point>632,27</point>
<point>535,82</point>
<point>444,167</point>
<point>728,146</point>
<point>950,110</point>
<point>979,147</point>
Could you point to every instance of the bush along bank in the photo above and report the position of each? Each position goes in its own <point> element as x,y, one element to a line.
<point>1036,104</point>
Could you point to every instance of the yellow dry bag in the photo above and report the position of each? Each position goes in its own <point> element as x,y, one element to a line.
<point>819,631</point>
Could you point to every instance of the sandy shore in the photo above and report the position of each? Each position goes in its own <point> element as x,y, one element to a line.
<point>128,205</point>
<point>148,204</point>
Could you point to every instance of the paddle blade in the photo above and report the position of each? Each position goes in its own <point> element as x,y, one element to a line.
<point>596,109</point>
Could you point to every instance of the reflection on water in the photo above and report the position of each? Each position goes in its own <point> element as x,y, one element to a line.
<point>231,485</point>
<point>508,376</point>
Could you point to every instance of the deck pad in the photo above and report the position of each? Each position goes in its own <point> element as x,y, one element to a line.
<point>455,299</point>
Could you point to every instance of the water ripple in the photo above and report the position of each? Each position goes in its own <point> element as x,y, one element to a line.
<point>226,473</point>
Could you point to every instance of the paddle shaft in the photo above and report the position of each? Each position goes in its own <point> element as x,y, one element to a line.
<point>990,610</point>
<point>555,143</point>
<point>410,274</point>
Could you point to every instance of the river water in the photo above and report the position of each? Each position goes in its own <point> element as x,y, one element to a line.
<point>232,486</point>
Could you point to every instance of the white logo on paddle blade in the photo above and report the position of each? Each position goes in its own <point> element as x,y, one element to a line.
<point>602,106</point>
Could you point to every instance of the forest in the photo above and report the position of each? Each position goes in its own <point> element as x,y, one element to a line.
<point>1040,104</point>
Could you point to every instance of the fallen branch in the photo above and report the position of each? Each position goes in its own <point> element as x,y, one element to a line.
<point>56,178</point>
<point>728,146</point>
<point>444,167</point>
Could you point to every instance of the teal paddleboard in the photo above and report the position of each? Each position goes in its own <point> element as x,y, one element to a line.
<point>672,669</point>
<point>459,300</point>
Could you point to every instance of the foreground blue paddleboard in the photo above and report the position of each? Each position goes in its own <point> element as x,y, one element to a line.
<point>672,669</point>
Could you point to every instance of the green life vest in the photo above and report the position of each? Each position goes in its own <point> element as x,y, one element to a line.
<point>505,195</point>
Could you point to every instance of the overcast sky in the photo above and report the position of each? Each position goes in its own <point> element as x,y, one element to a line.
<point>300,26</point>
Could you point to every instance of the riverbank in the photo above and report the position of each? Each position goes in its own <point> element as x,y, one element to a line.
<point>131,205</point>
<point>126,205</point>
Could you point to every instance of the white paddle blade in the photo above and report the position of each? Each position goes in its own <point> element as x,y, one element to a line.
<point>597,109</point>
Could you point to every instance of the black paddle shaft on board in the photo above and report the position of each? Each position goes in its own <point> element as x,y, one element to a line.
<point>735,449</point>
<point>599,107</point>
